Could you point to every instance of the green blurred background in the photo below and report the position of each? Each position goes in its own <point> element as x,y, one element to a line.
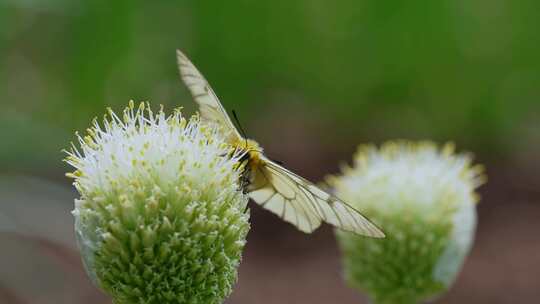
<point>310,80</point>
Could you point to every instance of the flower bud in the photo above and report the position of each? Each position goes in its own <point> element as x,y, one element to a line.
<point>160,218</point>
<point>424,199</point>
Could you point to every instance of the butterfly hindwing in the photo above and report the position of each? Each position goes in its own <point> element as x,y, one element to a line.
<point>304,204</point>
<point>280,195</point>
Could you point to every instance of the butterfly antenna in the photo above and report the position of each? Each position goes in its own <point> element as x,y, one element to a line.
<point>240,126</point>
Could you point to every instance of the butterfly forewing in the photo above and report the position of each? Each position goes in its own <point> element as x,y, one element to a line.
<point>209,106</point>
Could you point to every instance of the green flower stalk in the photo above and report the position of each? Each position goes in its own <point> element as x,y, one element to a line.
<point>424,199</point>
<point>160,217</point>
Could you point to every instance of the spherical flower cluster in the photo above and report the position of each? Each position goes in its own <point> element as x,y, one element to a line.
<point>424,199</point>
<point>161,218</point>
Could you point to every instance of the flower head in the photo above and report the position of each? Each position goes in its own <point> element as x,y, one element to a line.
<point>160,217</point>
<point>424,199</point>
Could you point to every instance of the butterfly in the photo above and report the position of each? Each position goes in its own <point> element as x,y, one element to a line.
<point>277,189</point>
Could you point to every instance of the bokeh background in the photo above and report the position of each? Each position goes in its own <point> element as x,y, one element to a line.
<point>310,81</point>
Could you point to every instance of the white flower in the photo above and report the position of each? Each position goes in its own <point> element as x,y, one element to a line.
<point>424,199</point>
<point>159,196</point>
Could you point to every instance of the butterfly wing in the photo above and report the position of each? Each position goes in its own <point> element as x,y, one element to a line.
<point>300,202</point>
<point>209,106</point>
<point>290,196</point>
